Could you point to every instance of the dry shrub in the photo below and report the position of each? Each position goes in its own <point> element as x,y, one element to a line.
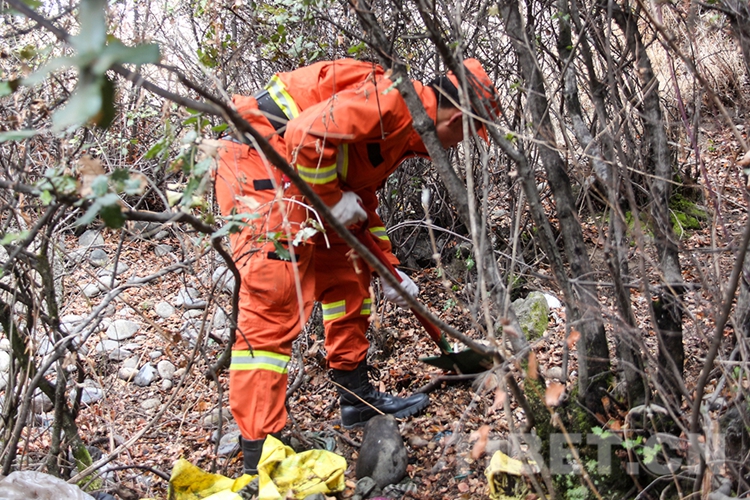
<point>706,40</point>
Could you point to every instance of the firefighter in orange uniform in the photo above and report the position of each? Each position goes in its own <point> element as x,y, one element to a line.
<point>345,129</point>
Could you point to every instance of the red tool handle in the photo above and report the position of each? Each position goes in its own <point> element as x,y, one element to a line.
<point>368,240</point>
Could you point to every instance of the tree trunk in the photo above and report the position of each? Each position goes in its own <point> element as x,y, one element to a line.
<point>593,353</point>
<point>667,308</point>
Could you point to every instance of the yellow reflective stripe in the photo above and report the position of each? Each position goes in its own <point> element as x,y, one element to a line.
<point>380,233</point>
<point>280,96</point>
<point>334,310</point>
<point>342,162</point>
<point>321,175</point>
<point>259,360</point>
<point>366,307</point>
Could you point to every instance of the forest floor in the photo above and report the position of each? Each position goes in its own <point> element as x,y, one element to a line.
<point>448,443</point>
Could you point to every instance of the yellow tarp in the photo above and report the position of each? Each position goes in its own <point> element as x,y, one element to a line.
<point>281,471</point>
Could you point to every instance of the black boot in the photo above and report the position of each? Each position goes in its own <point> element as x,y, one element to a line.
<point>251,451</point>
<point>358,401</point>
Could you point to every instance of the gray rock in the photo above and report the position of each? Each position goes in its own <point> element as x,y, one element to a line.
<point>229,444</point>
<point>41,404</point>
<point>132,346</point>
<point>192,314</point>
<point>146,229</point>
<point>4,344</point>
<point>150,404</point>
<point>121,268</point>
<point>119,354</point>
<point>90,395</point>
<point>533,314</point>
<point>154,355</point>
<point>162,250</point>
<point>179,373</point>
<point>131,363</point>
<point>220,318</point>
<point>98,257</point>
<point>166,385</point>
<point>146,375</point>
<point>69,322</point>
<point>91,238</point>
<point>383,454</point>
<point>91,290</point>
<point>223,279</point>
<point>494,445</point>
<point>166,369</point>
<point>161,235</point>
<point>3,380</point>
<point>107,345</point>
<point>366,488</point>
<point>127,374</point>
<point>122,329</point>
<point>164,309</point>
<point>555,372</point>
<point>212,418</point>
<point>188,298</point>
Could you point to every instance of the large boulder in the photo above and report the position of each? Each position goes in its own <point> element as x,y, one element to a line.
<point>383,454</point>
<point>25,484</point>
<point>533,314</point>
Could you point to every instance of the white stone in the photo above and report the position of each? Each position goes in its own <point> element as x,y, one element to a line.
<point>166,385</point>
<point>131,363</point>
<point>166,369</point>
<point>161,250</point>
<point>91,238</point>
<point>552,301</point>
<point>4,361</point>
<point>107,345</point>
<point>127,374</point>
<point>91,290</point>
<point>188,298</point>
<point>164,309</point>
<point>146,375</point>
<point>119,354</point>
<point>179,373</point>
<point>151,403</point>
<point>122,329</point>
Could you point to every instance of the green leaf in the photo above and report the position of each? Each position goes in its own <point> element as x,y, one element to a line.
<point>203,166</point>
<point>93,20</point>
<point>40,74</point>
<point>85,103</point>
<point>100,186</point>
<point>220,128</point>
<point>120,175</point>
<point>7,87</point>
<point>11,237</point>
<point>16,135</point>
<point>46,198</point>
<point>116,52</point>
<point>157,149</point>
<point>282,252</point>
<point>112,216</point>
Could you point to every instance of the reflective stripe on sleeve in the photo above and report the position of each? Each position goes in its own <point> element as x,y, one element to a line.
<point>259,360</point>
<point>322,175</point>
<point>334,310</point>
<point>380,233</point>
<point>281,97</point>
<point>342,161</point>
<point>366,307</point>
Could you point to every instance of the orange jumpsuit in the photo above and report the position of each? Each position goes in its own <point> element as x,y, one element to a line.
<point>349,130</point>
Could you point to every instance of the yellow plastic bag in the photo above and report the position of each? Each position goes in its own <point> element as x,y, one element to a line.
<point>189,482</point>
<point>281,471</point>
<point>505,477</point>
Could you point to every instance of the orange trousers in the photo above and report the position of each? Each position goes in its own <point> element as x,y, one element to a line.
<point>276,296</point>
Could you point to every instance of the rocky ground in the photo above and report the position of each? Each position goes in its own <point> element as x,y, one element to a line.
<point>150,313</point>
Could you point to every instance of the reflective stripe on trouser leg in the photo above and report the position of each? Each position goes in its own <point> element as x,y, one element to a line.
<point>269,320</point>
<point>345,297</point>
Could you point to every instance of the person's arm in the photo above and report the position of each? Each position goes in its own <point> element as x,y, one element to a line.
<point>316,139</point>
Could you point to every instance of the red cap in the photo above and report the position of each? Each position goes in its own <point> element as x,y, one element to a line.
<point>484,88</point>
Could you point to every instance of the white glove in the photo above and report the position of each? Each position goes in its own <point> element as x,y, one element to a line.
<point>393,296</point>
<point>348,210</point>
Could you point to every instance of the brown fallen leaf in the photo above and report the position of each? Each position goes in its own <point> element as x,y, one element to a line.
<point>573,338</point>
<point>481,436</point>
<point>89,168</point>
<point>553,394</point>
<point>745,160</point>
<point>533,370</point>
<point>500,396</point>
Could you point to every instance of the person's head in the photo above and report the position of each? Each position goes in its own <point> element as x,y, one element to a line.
<point>449,121</point>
